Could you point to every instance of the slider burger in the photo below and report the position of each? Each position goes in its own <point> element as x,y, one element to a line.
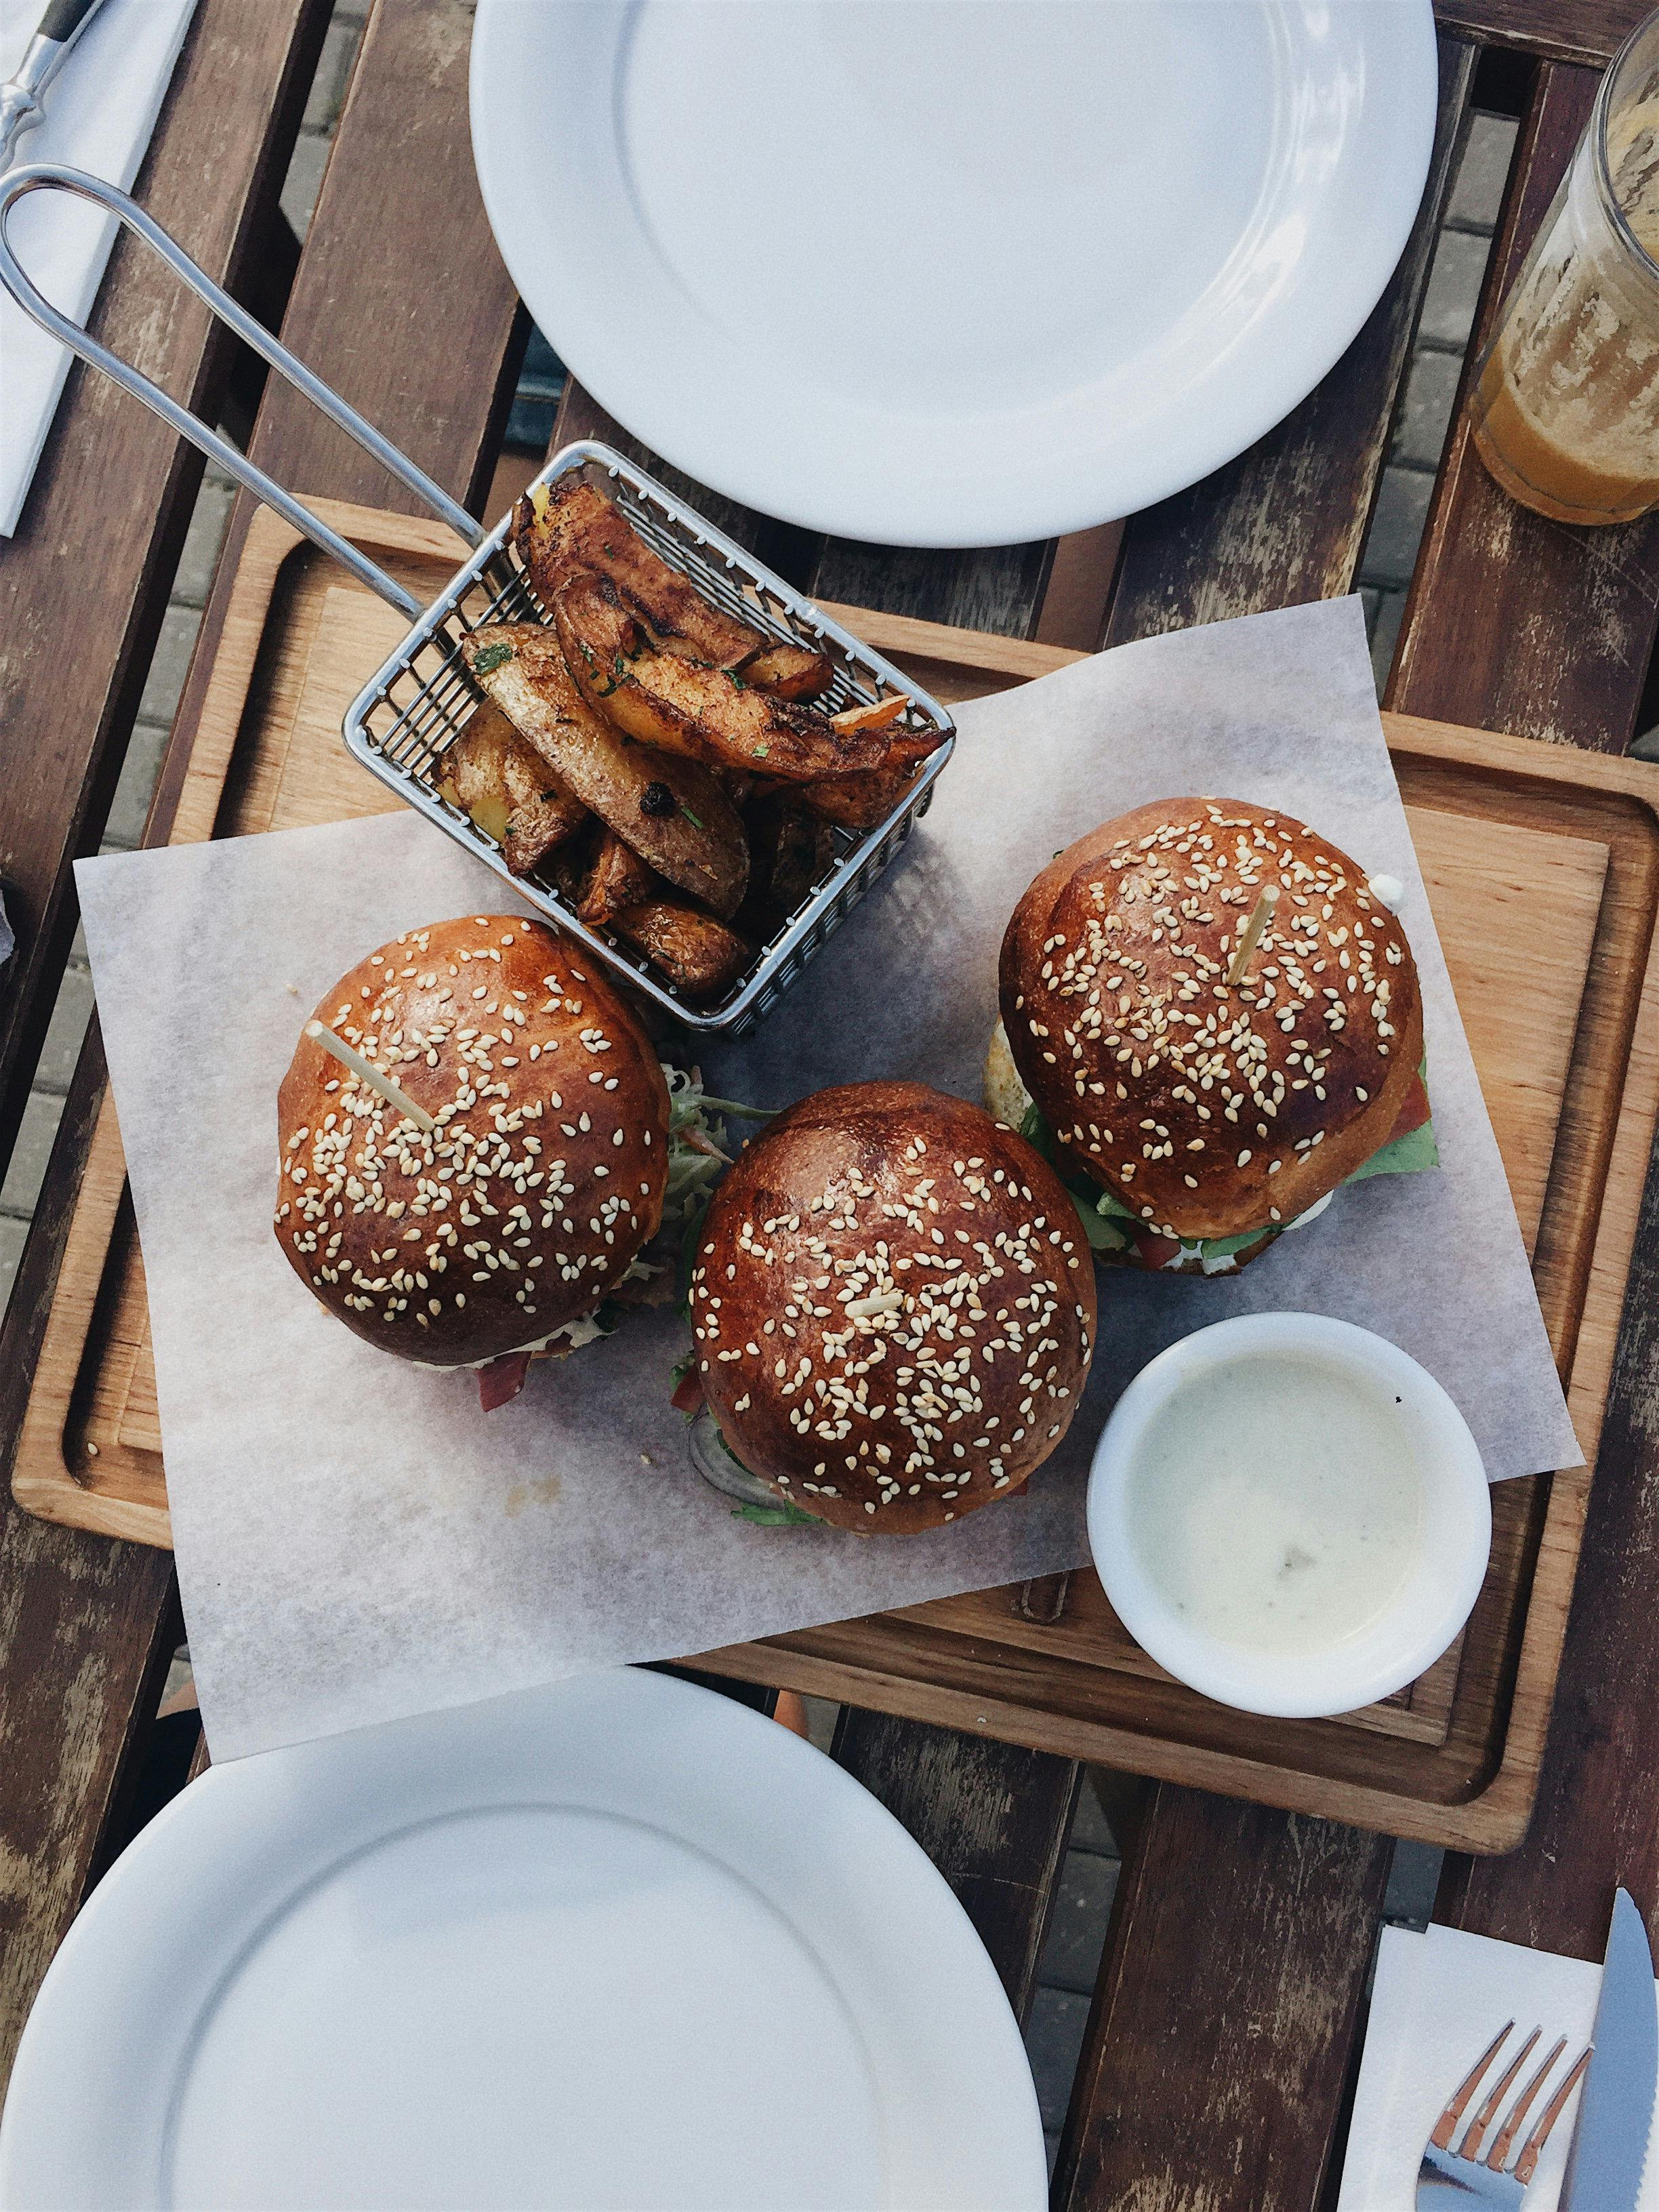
<point>474,1148</point>
<point>1210,1020</point>
<point>892,1308</point>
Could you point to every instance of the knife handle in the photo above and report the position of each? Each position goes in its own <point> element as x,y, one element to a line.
<point>63,18</point>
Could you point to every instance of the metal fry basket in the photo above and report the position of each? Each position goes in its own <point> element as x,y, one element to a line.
<point>405,719</point>
<point>413,709</point>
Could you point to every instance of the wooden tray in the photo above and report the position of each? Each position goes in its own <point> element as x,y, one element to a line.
<point>1542,865</point>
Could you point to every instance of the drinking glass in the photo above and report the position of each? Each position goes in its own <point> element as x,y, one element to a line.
<point>1566,404</point>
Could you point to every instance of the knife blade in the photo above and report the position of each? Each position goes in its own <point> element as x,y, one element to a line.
<point>1615,2110</point>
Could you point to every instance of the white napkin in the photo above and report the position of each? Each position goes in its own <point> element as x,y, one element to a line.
<point>99,112</point>
<point>1439,2000</point>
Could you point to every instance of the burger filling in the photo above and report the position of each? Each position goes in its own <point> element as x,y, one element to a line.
<point>1112,1227</point>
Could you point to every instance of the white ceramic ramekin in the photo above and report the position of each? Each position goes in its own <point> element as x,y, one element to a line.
<point>1433,1601</point>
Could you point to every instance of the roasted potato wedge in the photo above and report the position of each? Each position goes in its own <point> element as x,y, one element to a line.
<point>790,849</point>
<point>672,810</point>
<point>788,672</point>
<point>573,527</point>
<point>875,716</point>
<point>859,802</point>
<point>699,954</point>
<point>687,707</point>
<point>492,774</point>
<point>905,747</point>
<point>620,878</point>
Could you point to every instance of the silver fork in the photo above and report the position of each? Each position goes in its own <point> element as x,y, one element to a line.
<point>1470,2175</point>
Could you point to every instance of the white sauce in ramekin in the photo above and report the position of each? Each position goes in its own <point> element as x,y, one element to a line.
<point>1277,1502</point>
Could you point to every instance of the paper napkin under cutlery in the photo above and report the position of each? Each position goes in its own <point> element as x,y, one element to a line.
<point>100,113</point>
<point>1439,2000</point>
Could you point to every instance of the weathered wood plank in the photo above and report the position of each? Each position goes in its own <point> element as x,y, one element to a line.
<point>78,1616</point>
<point>1217,2047</point>
<point>994,1819</point>
<point>1079,589</point>
<point>995,588</point>
<point>1590,31</point>
<point>83,582</point>
<point>1286,521</point>
<point>1515,622</point>
<point>403,303</point>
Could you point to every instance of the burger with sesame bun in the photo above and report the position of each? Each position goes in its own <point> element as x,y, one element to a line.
<point>892,1308</point>
<point>1210,1020</point>
<point>479,1152</point>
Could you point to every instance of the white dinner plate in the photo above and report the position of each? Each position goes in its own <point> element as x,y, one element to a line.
<point>951,272</point>
<point>620,1943</point>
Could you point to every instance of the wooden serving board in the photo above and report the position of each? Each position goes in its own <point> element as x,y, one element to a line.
<point>1542,865</point>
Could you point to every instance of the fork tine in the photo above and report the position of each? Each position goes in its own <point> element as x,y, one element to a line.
<point>1526,2165</point>
<point>1466,2088</point>
<point>1470,2146</point>
<point>1518,2110</point>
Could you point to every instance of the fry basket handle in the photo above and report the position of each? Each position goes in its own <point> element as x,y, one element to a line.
<point>51,176</point>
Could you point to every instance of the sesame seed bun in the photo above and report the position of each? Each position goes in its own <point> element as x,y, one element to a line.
<point>546,1172</point>
<point>1209,1109</point>
<point>893,1308</point>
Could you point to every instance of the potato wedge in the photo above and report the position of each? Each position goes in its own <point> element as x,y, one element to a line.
<point>859,802</point>
<point>672,812</point>
<point>874,716</point>
<point>699,954</point>
<point>494,775</point>
<point>575,528</point>
<point>620,878</point>
<point>790,849</point>
<point>687,707</point>
<point>788,672</point>
<point>908,748</point>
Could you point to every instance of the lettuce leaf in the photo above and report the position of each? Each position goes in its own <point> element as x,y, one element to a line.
<point>697,1157</point>
<point>1406,1155</point>
<point>1100,1211</point>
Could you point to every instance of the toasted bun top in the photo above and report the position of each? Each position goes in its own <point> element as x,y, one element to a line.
<point>893,1306</point>
<point>546,1172</point>
<point>1211,1108</point>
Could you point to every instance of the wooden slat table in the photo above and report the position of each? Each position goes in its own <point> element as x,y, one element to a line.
<point>1223,2031</point>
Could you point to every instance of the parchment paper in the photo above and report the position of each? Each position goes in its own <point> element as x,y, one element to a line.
<point>357,1541</point>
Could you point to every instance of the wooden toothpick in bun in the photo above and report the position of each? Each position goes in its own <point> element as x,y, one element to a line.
<point>526,1203</point>
<point>1210,1108</point>
<point>893,1308</point>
